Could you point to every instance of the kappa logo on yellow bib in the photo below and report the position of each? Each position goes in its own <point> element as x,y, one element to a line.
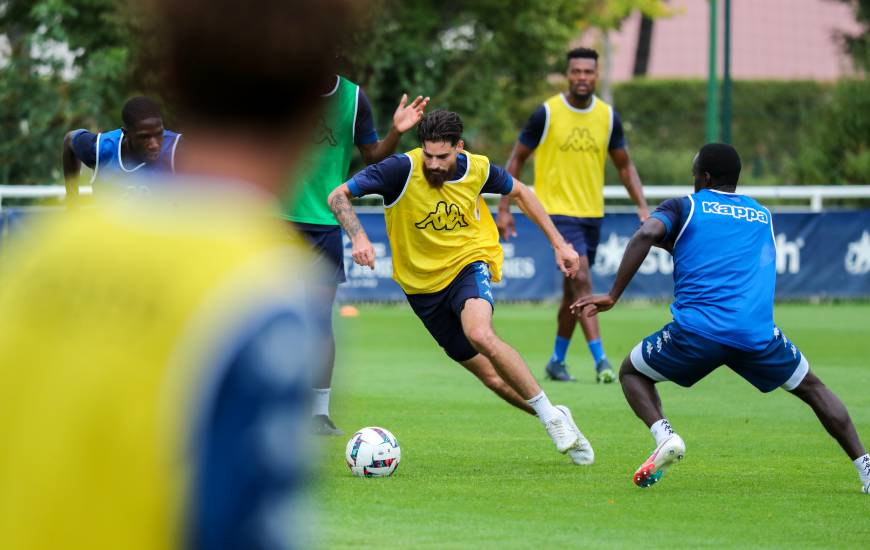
<point>443,218</point>
<point>580,139</point>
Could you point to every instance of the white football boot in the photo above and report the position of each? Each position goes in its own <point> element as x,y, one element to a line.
<point>561,431</point>
<point>666,455</point>
<point>581,453</point>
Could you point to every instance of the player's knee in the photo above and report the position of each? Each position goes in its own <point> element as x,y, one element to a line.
<point>582,284</point>
<point>481,338</point>
<point>627,369</point>
<point>810,389</point>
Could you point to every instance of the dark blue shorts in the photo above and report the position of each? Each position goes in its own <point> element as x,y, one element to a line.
<point>440,311</point>
<point>583,233</point>
<point>325,240</point>
<point>684,357</point>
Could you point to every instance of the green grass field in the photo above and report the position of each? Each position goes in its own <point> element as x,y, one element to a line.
<point>759,471</point>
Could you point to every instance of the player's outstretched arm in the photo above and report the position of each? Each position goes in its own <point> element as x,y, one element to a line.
<point>566,257</point>
<point>339,202</point>
<point>507,227</point>
<point>630,180</point>
<point>72,168</point>
<point>406,117</point>
<point>651,232</point>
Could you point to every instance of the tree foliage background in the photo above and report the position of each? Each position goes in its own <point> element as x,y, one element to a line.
<point>487,59</point>
<point>67,64</point>
<point>482,58</point>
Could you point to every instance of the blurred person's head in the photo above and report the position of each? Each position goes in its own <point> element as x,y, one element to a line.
<point>143,128</point>
<point>582,73</point>
<point>245,80</point>
<point>716,166</point>
<point>440,135</point>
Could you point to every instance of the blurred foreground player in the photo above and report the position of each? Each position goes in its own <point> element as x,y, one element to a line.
<point>724,279</point>
<point>148,399</point>
<point>141,147</point>
<point>446,253</point>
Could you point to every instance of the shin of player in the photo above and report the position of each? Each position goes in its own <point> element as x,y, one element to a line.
<point>445,254</point>
<point>722,311</point>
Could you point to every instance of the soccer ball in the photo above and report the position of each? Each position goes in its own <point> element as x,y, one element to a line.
<point>373,452</point>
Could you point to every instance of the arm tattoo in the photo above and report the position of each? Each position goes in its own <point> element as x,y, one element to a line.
<point>345,215</point>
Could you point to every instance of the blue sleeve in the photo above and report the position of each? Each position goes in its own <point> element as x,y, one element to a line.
<point>499,181</point>
<point>364,126</point>
<point>617,137</point>
<point>531,135</point>
<point>386,178</point>
<point>672,213</point>
<point>250,450</point>
<point>84,145</point>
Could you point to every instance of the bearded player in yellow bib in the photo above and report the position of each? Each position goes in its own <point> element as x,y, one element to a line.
<point>445,251</point>
<point>572,134</point>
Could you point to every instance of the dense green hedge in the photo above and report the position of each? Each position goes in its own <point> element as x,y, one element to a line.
<point>796,132</point>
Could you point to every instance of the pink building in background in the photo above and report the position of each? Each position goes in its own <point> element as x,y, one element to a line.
<point>778,39</point>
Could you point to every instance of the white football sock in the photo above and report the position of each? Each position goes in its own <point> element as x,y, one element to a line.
<point>543,408</point>
<point>862,463</point>
<point>320,401</point>
<point>661,430</point>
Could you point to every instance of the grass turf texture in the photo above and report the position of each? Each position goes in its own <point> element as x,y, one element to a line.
<point>760,471</point>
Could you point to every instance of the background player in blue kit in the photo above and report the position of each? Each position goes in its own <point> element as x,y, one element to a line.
<point>724,278</point>
<point>142,145</point>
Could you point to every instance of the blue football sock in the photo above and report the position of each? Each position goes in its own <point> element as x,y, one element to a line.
<point>560,349</point>
<point>597,350</point>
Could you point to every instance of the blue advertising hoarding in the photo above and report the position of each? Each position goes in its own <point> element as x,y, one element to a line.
<point>823,255</point>
<point>819,255</point>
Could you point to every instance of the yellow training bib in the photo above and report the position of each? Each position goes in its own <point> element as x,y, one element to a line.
<point>435,232</point>
<point>569,160</point>
<point>110,316</point>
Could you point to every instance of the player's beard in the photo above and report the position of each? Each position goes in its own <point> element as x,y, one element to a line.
<point>582,97</point>
<point>436,178</point>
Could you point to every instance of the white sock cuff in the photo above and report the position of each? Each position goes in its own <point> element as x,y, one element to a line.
<point>661,430</point>
<point>862,463</point>
<point>320,401</point>
<point>543,408</point>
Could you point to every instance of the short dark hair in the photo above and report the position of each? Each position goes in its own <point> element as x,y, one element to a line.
<point>139,108</point>
<point>721,161</point>
<point>582,53</point>
<point>440,125</point>
<point>229,64</point>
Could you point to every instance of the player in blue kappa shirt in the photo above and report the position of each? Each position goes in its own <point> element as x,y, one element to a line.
<point>724,254</point>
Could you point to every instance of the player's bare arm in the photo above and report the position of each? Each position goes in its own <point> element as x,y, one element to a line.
<point>406,117</point>
<point>72,167</point>
<point>631,180</point>
<point>650,233</point>
<point>566,257</point>
<point>339,202</point>
<point>507,227</point>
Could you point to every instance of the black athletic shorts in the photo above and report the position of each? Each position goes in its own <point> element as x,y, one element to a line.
<point>440,311</point>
